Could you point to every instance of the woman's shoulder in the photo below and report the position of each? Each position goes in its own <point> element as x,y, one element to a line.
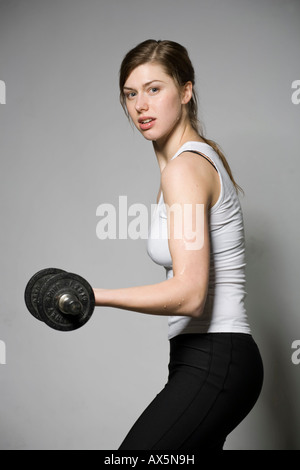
<point>189,163</point>
<point>187,176</point>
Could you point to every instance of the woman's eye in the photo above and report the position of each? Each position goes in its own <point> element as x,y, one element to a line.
<point>154,90</point>
<point>130,95</point>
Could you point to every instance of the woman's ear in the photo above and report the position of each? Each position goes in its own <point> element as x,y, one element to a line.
<point>187,92</point>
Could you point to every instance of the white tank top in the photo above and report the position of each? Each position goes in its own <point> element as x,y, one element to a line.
<point>224,310</point>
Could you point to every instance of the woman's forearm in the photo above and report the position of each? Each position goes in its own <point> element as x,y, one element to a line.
<point>170,297</point>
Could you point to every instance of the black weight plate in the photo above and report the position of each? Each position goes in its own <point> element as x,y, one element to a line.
<point>33,288</point>
<point>47,302</point>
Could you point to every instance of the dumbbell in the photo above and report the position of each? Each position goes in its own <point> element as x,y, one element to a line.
<point>64,301</point>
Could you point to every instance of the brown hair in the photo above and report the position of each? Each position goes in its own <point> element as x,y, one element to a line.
<point>174,58</point>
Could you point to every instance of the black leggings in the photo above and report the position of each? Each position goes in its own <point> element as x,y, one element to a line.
<point>214,381</point>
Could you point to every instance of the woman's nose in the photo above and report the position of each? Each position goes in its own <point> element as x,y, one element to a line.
<point>141,104</point>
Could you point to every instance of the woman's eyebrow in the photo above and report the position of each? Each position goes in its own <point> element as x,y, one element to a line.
<point>145,84</point>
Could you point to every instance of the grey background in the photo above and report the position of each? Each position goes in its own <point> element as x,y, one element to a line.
<point>66,147</point>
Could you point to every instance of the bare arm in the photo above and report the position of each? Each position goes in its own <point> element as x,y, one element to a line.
<point>170,297</point>
<point>185,293</point>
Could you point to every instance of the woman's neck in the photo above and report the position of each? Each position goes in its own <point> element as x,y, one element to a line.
<point>166,148</point>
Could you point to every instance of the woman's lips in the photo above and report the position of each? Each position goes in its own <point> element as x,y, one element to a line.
<point>146,123</point>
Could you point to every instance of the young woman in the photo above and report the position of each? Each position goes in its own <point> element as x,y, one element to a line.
<point>215,369</point>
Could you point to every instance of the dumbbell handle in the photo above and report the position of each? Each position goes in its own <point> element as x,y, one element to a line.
<point>70,305</point>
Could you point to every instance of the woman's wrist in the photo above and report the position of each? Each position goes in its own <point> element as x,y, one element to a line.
<point>101,297</point>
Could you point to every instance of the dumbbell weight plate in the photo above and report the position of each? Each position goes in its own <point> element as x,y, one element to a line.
<point>48,298</point>
<point>33,288</point>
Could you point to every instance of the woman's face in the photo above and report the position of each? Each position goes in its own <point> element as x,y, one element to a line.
<point>153,101</point>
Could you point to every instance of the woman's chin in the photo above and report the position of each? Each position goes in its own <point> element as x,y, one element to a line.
<point>149,136</point>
